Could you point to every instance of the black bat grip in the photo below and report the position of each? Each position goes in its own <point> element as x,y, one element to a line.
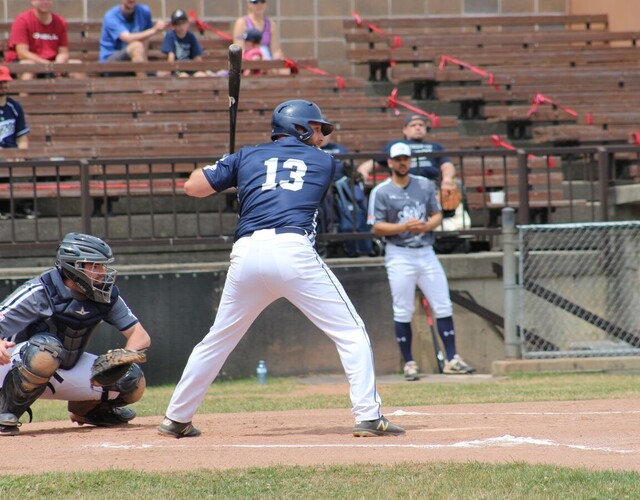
<point>235,72</point>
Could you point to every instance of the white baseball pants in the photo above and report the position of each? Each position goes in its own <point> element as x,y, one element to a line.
<point>265,267</point>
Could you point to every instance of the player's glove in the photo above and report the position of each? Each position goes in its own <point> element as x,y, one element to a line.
<point>108,368</point>
<point>450,198</point>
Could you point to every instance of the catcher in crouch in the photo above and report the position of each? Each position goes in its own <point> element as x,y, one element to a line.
<point>45,326</point>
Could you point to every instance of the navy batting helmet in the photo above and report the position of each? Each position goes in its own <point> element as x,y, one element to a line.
<point>77,249</point>
<point>297,113</point>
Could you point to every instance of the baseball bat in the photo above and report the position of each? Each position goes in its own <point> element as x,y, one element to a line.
<point>434,336</point>
<point>235,72</point>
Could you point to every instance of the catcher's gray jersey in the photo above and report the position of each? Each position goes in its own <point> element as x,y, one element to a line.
<point>391,203</point>
<point>45,304</point>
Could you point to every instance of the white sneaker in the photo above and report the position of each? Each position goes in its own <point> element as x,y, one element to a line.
<point>411,371</point>
<point>457,366</point>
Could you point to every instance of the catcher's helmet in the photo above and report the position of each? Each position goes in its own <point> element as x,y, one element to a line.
<point>297,112</point>
<point>74,251</point>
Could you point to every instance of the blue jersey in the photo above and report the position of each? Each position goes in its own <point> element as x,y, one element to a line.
<point>12,124</point>
<point>426,167</point>
<point>336,149</point>
<point>280,184</point>
<point>184,49</point>
<point>114,24</point>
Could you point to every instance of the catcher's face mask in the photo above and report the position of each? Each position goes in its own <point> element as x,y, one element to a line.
<point>97,279</point>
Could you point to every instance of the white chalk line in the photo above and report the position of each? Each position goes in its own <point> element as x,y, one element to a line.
<point>505,441</point>
<point>403,413</point>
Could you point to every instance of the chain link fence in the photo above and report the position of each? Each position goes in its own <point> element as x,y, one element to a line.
<point>579,289</point>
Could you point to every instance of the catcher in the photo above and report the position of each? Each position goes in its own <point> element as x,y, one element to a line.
<point>45,326</point>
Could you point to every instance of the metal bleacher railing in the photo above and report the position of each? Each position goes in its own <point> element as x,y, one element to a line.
<point>139,202</point>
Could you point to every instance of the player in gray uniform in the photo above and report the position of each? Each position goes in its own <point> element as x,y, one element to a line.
<point>280,187</point>
<point>45,325</point>
<point>405,210</point>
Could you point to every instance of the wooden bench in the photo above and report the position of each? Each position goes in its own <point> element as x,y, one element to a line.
<point>100,115</point>
<point>582,134</point>
<point>109,116</point>
<point>545,186</point>
<point>399,25</point>
<point>415,40</point>
<point>97,69</point>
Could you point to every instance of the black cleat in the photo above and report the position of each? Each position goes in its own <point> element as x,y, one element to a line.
<point>379,427</point>
<point>112,417</point>
<point>177,430</point>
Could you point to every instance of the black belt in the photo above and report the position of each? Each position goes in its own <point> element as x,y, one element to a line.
<point>408,246</point>
<point>291,229</point>
<point>282,230</point>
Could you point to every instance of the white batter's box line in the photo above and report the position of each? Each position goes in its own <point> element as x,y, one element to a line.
<point>403,413</point>
<point>492,442</point>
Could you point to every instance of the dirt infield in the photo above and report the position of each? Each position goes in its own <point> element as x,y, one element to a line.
<point>592,434</point>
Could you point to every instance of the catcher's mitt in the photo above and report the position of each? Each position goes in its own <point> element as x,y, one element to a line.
<point>108,368</point>
<point>450,198</point>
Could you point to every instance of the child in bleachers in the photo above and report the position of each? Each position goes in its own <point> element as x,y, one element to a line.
<point>253,51</point>
<point>180,44</point>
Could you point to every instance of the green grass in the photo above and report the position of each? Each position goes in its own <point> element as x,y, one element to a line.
<point>420,481</point>
<point>411,480</point>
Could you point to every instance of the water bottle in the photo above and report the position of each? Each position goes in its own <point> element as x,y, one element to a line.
<point>261,371</point>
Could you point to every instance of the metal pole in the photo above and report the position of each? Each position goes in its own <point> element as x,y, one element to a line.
<point>86,202</point>
<point>603,183</point>
<point>523,187</point>
<point>509,239</point>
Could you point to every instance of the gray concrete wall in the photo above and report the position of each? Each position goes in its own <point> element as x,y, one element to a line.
<point>177,305</point>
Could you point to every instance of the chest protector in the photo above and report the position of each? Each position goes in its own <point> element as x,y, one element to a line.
<point>73,321</point>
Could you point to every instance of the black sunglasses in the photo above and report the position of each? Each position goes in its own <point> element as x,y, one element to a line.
<point>258,1</point>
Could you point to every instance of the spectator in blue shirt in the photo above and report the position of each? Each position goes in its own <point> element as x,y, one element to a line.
<point>126,31</point>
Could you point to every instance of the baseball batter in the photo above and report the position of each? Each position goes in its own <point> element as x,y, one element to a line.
<point>280,187</point>
<point>45,326</point>
<point>405,210</point>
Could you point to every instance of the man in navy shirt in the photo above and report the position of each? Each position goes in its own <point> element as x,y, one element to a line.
<point>437,168</point>
<point>13,134</point>
<point>280,187</point>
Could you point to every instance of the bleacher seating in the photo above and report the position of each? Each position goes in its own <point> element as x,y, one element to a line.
<point>516,58</point>
<point>537,80</point>
<point>547,80</point>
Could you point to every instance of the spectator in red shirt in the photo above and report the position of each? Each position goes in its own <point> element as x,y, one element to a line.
<point>38,35</point>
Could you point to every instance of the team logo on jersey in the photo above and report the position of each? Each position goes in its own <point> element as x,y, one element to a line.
<point>7,128</point>
<point>82,312</point>
<point>52,37</point>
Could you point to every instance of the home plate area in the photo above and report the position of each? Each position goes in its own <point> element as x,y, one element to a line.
<point>599,435</point>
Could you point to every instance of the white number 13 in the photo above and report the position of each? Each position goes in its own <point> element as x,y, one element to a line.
<point>293,183</point>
